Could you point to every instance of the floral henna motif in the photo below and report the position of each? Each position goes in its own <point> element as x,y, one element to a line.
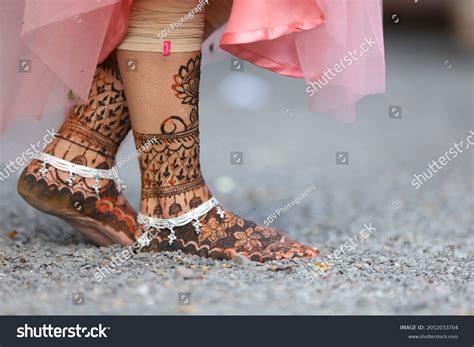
<point>231,219</point>
<point>172,184</point>
<point>232,235</point>
<point>171,172</point>
<point>212,231</point>
<point>248,239</point>
<point>187,80</point>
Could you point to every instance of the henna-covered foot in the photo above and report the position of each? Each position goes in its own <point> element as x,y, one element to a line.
<point>172,183</point>
<point>106,220</point>
<point>90,136</point>
<point>224,238</point>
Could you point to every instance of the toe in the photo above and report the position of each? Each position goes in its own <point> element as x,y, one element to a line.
<point>310,253</point>
<point>302,251</point>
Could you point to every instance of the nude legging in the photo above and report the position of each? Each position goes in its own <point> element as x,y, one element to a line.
<point>181,22</point>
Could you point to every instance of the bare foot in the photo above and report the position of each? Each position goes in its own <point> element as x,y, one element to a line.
<point>224,238</point>
<point>173,184</point>
<point>90,136</point>
<point>106,221</point>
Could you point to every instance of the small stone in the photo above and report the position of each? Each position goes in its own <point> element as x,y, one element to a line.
<point>184,272</point>
<point>241,260</point>
<point>322,266</point>
<point>12,234</point>
<point>276,268</point>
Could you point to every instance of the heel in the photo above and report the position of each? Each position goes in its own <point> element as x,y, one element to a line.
<point>58,202</point>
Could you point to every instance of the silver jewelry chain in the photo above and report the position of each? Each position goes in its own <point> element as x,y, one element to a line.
<point>79,170</point>
<point>193,216</point>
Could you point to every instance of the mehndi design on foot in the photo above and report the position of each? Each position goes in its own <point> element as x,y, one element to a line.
<point>173,189</point>
<point>81,171</point>
<point>172,182</point>
<point>89,137</point>
<point>157,224</point>
<point>221,236</point>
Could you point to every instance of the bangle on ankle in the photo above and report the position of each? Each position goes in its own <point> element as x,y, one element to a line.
<point>79,170</point>
<point>170,223</point>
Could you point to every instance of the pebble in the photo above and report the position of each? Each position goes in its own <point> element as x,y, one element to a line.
<point>241,260</point>
<point>184,272</point>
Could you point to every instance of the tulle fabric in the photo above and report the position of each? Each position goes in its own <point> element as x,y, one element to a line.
<point>305,38</point>
<point>59,43</point>
<point>63,40</point>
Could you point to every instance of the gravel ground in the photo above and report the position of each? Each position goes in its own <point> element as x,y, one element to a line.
<point>417,260</point>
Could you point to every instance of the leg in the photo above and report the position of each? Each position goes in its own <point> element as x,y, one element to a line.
<point>163,97</point>
<point>90,136</point>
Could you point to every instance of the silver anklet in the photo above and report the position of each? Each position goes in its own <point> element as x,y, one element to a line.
<point>193,216</point>
<point>79,170</point>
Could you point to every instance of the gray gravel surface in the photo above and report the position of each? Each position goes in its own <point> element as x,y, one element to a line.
<point>418,260</point>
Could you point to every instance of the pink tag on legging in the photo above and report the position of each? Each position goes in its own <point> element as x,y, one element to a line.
<point>166,48</point>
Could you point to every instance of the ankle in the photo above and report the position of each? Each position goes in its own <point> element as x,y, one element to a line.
<point>175,205</point>
<point>78,149</point>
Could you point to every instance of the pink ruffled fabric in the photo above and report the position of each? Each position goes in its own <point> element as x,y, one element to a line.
<point>59,43</point>
<point>314,39</point>
<point>63,40</point>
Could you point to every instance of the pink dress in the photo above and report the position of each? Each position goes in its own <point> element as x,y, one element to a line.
<point>52,47</point>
